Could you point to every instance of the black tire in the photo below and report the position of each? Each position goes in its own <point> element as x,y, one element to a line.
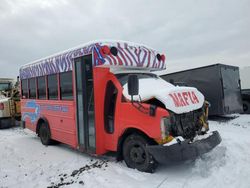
<point>44,134</point>
<point>135,154</point>
<point>246,107</point>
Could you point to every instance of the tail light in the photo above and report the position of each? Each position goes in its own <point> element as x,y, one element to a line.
<point>105,50</point>
<point>114,51</point>
<point>1,106</point>
<point>108,51</point>
<point>161,57</point>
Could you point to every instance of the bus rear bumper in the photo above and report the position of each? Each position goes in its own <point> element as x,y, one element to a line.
<point>184,150</point>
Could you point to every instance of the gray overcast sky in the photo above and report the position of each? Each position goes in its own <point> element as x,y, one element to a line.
<point>190,31</point>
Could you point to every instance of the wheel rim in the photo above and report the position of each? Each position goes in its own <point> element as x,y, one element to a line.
<point>137,154</point>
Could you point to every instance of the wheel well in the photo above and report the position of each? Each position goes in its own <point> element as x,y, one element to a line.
<point>126,133</point>
<point>39,123</point>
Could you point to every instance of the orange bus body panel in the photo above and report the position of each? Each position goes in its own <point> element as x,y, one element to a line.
<point>126,115</point>
<point>59,114</point>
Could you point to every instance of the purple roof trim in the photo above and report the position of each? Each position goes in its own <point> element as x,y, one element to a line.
<point>129,55</point>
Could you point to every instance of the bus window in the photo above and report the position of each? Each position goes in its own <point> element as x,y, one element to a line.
<point>52,87</point>
<point>66,86</point>
<point>24,88</point>
<point>32,88</point>
<point>109,108</point>
<point>41,87</point>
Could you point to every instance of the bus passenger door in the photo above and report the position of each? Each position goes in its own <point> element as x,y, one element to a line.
<point>85,119</point>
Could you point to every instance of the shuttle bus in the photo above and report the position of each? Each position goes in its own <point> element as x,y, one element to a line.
<point>104,97</point>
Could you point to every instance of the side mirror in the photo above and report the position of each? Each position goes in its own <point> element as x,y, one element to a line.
<point>133,85</point>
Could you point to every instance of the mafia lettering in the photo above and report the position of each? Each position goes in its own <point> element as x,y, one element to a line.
<point>184,98</point>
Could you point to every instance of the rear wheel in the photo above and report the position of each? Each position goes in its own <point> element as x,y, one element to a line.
<point>246,107</point>
<point>135,154</point>
<point>44,134</point>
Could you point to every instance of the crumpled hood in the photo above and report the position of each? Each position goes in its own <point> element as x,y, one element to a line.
<point>175,98</point>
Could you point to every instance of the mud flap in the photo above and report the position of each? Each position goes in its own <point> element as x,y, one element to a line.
<point>184,150</point>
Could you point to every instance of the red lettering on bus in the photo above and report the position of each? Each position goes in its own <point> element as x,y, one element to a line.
<point>181,100</point>
<point>175,99</point>
<point>185,96</point>
<point>189,94</point>
<point>195,98</point>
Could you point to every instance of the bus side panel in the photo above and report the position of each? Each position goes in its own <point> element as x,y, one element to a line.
<point>61,118</point>
<point>28,115</point>
<point>100,80</point>
<point>130,117</point>
<point>59,114</point>
<point>127,116</point>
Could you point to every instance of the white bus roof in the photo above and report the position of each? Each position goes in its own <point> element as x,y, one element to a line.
<point>129,55</point>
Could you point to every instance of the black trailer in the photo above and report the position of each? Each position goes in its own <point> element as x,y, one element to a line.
<point>219,83</point>
<point>245,93</point>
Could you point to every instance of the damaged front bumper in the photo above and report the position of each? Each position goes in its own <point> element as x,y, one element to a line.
<point>184,150</point>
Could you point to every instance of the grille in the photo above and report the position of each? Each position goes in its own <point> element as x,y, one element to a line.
<point>185,125</point>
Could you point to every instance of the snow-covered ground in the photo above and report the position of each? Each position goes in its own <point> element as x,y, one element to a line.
<point>25,162</point>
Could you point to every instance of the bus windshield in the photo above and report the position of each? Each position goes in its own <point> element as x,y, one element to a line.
<point>123,77</point>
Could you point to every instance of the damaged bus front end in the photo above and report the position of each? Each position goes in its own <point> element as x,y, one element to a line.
<point>187,137</point>
<point>184,128</point>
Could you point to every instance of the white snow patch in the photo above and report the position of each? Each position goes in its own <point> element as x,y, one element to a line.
<point>174,141</point>
<point>201,137</point>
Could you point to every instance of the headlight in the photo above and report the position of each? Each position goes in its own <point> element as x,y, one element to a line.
<point>165,131</point>
<point>203,119</point>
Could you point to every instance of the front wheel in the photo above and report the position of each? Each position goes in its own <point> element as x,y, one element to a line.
<point>136,156</point>
<point>44,134</point>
